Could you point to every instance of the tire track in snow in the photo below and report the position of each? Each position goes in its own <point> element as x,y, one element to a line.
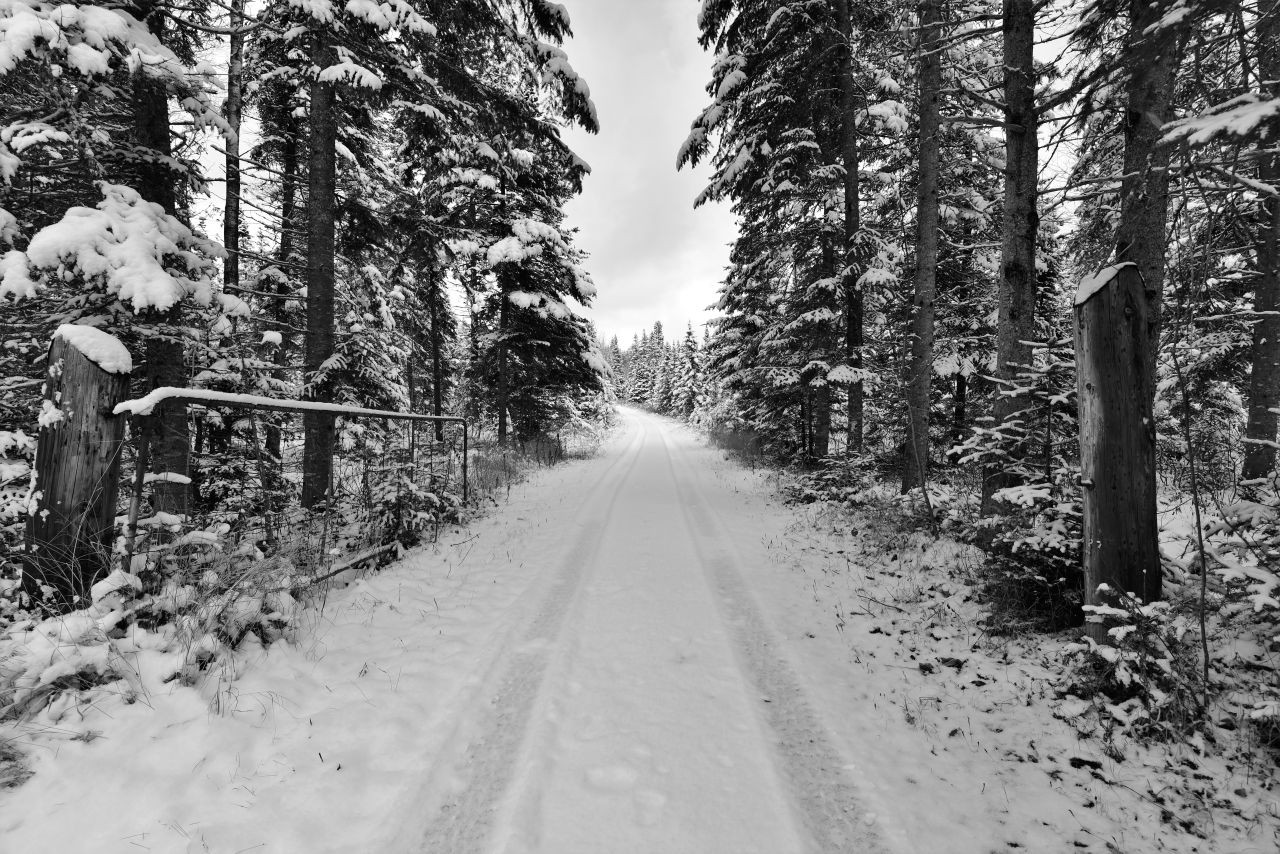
<point>828,802</point>
<point>488,746</point>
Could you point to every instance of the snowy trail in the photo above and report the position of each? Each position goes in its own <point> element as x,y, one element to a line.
<point>645,652</point>
<point>642,709</point>
<point>601,664</point>
<point>813,765</point>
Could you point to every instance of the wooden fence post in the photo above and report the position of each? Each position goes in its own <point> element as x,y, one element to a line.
<point>72,526</point>
<point>1115,379</point>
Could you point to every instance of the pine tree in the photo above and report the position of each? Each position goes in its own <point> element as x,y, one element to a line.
<point>660,397</point>
<point>687,392</point>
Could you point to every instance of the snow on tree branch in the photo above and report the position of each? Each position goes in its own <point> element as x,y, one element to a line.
<point>127,245</point>
<point>1239,117</point>
<point>87,39</point>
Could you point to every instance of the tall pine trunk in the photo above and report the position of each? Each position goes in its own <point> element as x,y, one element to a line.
<point>285,258</point>
<point>1016,312</point>
<point>504,382</point>
<point>232,112</point>
<point>318,428</point>
<point>920,367</point>
<point>1151,56</point>
<point>821,400</point>
<point>849,156</point>
<point>167,432</point>
<point>959,408</point>
<point>1264,381</point>
<point>1121,535</point>
<point>437,346</point>
<point>821,421</point>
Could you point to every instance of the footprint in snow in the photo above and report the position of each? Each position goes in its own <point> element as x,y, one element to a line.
<point>593,728</point>
<point>640,752</point>
<point>649,805</point>
<point>613,778</point>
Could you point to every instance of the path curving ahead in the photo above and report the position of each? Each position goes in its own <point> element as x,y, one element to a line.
<point>639,705</point>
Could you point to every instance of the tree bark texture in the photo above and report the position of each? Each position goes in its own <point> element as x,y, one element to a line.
<point>504,379</point>
<point>821,403</point>
<point>1118,336</point>
<point>1150,57</point>
<point>318,428</point>
<point>232,113</point>
<point>437,356</point>
<point>1264,379</point>
<point>849,156</point>
<point>1017,290</point>
<point>281,316</point>
<point>70,534</point>
<point>1117,442</point>
<point>824,350</point>
<point>167,431</point>
<point>920,367</point>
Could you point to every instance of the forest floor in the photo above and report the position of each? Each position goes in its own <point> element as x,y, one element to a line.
<point>647,651</point>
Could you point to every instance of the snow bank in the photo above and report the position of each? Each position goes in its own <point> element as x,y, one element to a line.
<point>101,348</point>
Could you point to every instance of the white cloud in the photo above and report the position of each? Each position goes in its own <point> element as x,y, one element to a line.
<point>652,255</point>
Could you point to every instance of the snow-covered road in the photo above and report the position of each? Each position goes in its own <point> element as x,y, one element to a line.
<point>611,660</point>
<point>644,652</point>
<point>641,706</point>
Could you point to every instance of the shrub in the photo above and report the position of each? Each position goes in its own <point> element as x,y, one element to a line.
<point>1146,678</point>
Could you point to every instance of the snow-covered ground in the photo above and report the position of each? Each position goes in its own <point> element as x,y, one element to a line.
<point>641,652</point>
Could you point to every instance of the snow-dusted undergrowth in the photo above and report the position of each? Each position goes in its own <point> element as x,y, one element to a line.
<point>199,602</point>
<point>1121,729</point>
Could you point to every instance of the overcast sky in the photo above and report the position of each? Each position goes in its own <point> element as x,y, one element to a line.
<point>653,257</point>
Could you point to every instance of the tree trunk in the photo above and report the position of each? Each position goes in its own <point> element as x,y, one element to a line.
<point>1117,441</point>
<point>167,430</point>
<point>820,400</point>
<point>920,369</point>
<point>849,155</point>
<point>503,390</point>
<point>437,357</point>
<point>1264,380</point>
<point>1016,313</point>
<point>1151,57</point>
<point>1116,349</point>
<point>471,285</point>
<point>821,420</point>
<point>959,415</point>
<point>288,228</point>
<point>806,444</point>
<point>70,534</point>
<point>318,428</point>
<point>232,111</point>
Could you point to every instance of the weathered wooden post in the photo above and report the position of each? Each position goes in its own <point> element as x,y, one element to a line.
<point>71,528</point>
<point>1115,379</point>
